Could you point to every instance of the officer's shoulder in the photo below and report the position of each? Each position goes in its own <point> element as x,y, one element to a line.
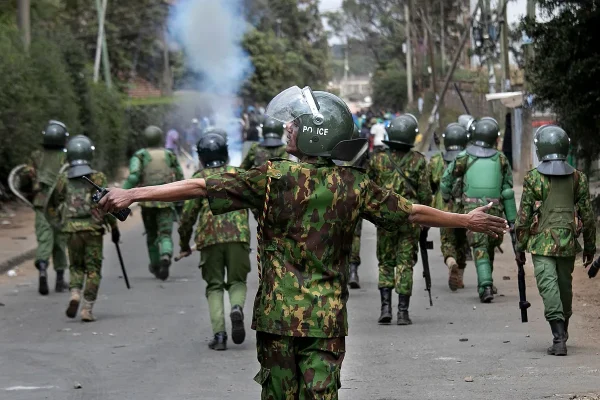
<point>140,153</point>
<point>418,155</point>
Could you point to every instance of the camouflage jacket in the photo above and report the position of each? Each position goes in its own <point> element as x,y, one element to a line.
<point>258,155</point>
<point>136,171</point>
<point>406,175</point>
<point>437,166</point>
<point>536,187</point>
<point>212,229</point>
<point>452,186</point>
<point>312,212</point>
<point>42,180</point>
<point>97,220</point>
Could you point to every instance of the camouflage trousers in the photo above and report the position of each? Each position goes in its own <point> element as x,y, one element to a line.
<point>158,223</point>
<point>294,368</point>
<point>555,284</point>
<point>397,255</point>
<point>454,244</point>
<point>51,242</point>
<point>215,261</point>
<point>355,253</point>
<point>483,255</point>
<point>85,254</point>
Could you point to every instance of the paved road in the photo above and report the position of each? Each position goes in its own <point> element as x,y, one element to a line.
<point>150,342</point>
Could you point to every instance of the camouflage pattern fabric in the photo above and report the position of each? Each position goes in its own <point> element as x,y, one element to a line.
<point>42,169</point>
<point>90,219</point>
<point>50,242</point>
<point>299,368</point>
<point>212,229</point>
<point>553,276</point>
<point>85,254</point>
<point>408,175</point>
<point>437,166</point>
<point>397,255</point>
<point>312,213</point>
<point>216,261</point>
<point>136,174</point>
<point>553,242</point>
<point>355,252</point>
<point>158,225</point>
<point>258,155</point>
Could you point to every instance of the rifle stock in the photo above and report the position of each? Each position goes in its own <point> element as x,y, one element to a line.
<point>425,245</point>
<point>523,303</point>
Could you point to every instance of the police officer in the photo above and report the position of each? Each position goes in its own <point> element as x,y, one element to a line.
<point>223,242</point>
<point>152,166</point>
<point>308,212</point>
<point>84,224</point>
<point>270,147</point>
<point>405,172</point>
<point>43,170</point>
<point>453,241</point>
<point>486,177</point>
<point>555,209</point>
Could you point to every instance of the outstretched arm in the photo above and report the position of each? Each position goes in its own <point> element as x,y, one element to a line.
<point>118,199</point>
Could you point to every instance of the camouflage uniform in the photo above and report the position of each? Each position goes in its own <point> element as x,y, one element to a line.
<point>43,169</point>
<point>258,155</point>
<point>482,244</point>
<point>149,167</point>
<point>406,174</point>
<point>355,251</point>
<point>300,309</point>
<point>223,242</point>
<point>84,227</point>
<point>554,248</point>
<point>453,241</point>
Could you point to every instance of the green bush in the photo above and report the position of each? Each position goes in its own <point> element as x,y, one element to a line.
<point>389,88</point>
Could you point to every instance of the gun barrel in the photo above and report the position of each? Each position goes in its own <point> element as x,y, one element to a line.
<point>462,100</point>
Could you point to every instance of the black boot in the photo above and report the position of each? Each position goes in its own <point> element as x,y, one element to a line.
<point>566,329</point>
<point>559,344</point>
<point>354,283</point>
<point>386,305</point>
<point>238,333</point>
<point>42,267</point>
<point>403,303</point>
<point>488,295</point>
<point>61,285</point>
<point>165,263</point>
<point>219,342</point>
<point>154,270</point>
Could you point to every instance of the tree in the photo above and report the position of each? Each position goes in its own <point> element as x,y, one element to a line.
<point>389,88</point>
<point>564,72</point>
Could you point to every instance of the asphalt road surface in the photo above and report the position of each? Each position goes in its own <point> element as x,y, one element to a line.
<point>150,342</point>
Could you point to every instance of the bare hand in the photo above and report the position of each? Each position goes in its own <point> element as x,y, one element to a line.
<point>481,221</point>
<point>183,254</point>
<point>587,259</point>
<point>116,199</point>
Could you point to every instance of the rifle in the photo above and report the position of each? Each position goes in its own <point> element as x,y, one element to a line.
<point>523,303</point>
<point>425,245</point>
<point>121,215</point>
<point>122,266</point>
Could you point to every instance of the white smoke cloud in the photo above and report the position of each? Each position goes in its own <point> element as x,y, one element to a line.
<point>210,33</point>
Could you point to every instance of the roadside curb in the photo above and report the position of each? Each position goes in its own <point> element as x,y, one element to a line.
<point>26,255</point>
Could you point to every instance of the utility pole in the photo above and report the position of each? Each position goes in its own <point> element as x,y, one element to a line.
<point>527,134</point>
<point>442,37</point>
<point>409,78</point>
<point>167,78</point>
<point>506,85</point>
<point>24,21</point>
<point>430,49</point>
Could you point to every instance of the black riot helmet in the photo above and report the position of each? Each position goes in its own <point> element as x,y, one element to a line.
<point>80,152</point>
<point>212,149</point>
<point>55,135</point>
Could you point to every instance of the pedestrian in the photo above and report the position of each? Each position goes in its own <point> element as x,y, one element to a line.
<point>223,242</point>
<point>85,224</point>
<point>172,142</point>
<point>43,169</point>
<point>308,214</point>
<point>486,177</point>
<point>150,166</point>
<point>403,171</point>
<point>555,209</point>
<point>271,146</point>
<point>454,243</point>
